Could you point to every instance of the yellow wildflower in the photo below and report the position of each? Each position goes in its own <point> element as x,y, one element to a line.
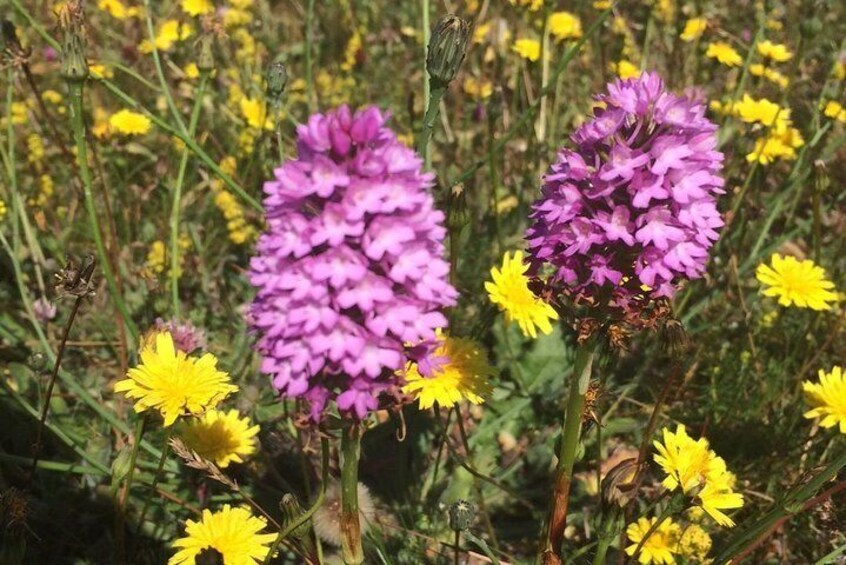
<point>116,9</point>
<point>480,32</point>
<point>191,71</point>
<point>774,51</point>
<point>828,399</point>
<point>100,71</point>
<point>565,25</point>
<point>169,32</point>
<point>174,383</point>
<point>531,5</point>
<point>254,111</point>
<point>724,53</point>
<point>197,7</point>
<point>661,545</point>
<point>231,532</point>
<point>761,111</point>
<point>351,52</point>
<point>128,122</point>
<point>802,283</point>
<point>510,291</point>
<point>3,209</point>
<point>464,373</point>
<point>693,29</point>
<point>835,111</point>
<point>220,437</point>
<point>625,69</point>
<point>477,89</point>
<point>694,543</point>
<point>529,49</point>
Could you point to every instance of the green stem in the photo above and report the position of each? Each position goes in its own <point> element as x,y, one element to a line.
<point>433,107</point>
<point>309,66</point>
<point>791,505</point>
<point>350,525</point>
<point>157,61</point>
<point>78,126</point>
<point>156,476</point>
<point>557,519</point>
<point>427,86</point>
<point>177,197</point>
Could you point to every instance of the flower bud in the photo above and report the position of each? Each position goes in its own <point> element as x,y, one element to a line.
<point>447,47</point>
<point>205,53</point>
<point>277,78</point>
<point>457,214</point>
<point>461,514</point>
<point>74,67</point>
<point>617,486</point>
<point>810,27</point>
<point>292,510</point>
<point>121,465</point>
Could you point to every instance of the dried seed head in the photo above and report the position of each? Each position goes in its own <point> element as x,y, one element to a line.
<point>72,23</point>
<point>447,48</point>
<point>76,280</point>
<point>11,45</point>
<point>461,515</point>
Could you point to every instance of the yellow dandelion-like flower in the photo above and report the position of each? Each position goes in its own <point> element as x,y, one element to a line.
<point>477,89</point>
<point>694,543</point>
<point>565,25</point>
<point>835,111</point>
<point>694,468</point>
<point>625,69</point>
<point>510,291</point>
<point>761,111</point>
<point>828,398</point>
<point>220,437</point>
<point>724,53</point>
<point>602,4</point>
<point>528,49</point>
<point>232,532</point>
<point>255,113</point>
<point>531,5</point>
<point>660,547</point>
<point>169,33</point>
<point>693,29</point>
<point>173,383</point>
<point>794,282</point>
<point>128,122</point>
<point>774,51</point>
<point>116,9</point>
<point>464,373</point>
<point>100,71</point>
<point>197,7</point>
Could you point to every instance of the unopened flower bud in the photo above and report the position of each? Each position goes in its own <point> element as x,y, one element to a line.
<point>74,67</point>
<point>461,514</point>
<point>121,465</point>
<point>292,510</point>
<point>205,53</point>
<point>277,78</point>
<point>810,27</point>
<point>617,486</point>
<point>457,214</point>
<point>447,47</point>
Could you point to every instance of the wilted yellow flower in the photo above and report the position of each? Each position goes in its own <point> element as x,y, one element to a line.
<point>197,7</point>
<point>170,31</point>
<point>828,398</point>
<point>693,29</point>
<point>220,437</point>
<point>510,291</point>
<point>724,53</point>
<point>527,48</point>
<point>774,51</point>
<point>565,25</point>
<point>465,373</point>
<point>661,545</point>
<point>128,122</point>
<point>231,532</point>
<point>171,382</point>
<point>625,69</point>
<point>796,282</point>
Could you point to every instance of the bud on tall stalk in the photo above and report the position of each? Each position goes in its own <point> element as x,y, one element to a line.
<point>74,67</point>
<point>446,51</point>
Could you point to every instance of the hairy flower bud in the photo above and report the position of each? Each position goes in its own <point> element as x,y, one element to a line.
<point>74,67</point>
<point>292,510</point>
<point>461,514</point>
<point>447,47</point>
<point>205,53</point>
<point>277,78</point>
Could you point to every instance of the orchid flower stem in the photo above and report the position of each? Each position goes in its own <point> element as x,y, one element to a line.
<point>557,519</point>
<point>350,525</point>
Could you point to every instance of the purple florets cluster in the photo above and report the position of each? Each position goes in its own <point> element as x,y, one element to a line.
<point>350,270</point>
<point>186,336</point>
<point>634,203</point>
